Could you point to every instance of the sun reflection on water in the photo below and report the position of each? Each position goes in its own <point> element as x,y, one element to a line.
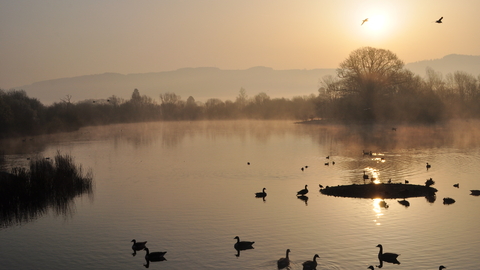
<point>379,205</point>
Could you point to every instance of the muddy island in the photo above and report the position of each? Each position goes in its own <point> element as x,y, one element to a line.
<point>384,191</point>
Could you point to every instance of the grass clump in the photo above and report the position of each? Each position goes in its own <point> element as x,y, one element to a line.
<point>46,184</point>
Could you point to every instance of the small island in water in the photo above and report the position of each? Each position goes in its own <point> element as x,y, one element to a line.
<point>384,191</point>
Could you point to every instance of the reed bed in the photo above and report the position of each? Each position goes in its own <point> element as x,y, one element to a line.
<point>47,184</point>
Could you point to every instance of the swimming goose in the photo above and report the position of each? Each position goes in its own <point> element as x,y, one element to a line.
<point>154,256</point>
<point>387,257</point>
<point>261,194</point>
<point>138,245</point>
<point>303,191</point>
<point>241,245</point>
<point>284,262</point>
<point>311,264</point>
<point>448,200</point>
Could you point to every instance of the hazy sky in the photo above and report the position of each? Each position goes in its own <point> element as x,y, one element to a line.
<point>50,39</point>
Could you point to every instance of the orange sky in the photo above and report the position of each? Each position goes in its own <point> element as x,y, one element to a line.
<point>50,39</point>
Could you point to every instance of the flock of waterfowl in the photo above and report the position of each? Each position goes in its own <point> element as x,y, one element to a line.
<point>284,262</point>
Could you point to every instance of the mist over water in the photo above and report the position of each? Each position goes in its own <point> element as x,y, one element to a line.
<point>186,188</point>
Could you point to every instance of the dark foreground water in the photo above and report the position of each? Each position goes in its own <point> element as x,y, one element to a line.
<point>187,189</point>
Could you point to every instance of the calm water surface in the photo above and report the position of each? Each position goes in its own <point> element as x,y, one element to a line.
<point>186,188</point>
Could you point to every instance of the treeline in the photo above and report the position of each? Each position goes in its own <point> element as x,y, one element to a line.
<point>21,115</point>
<point>372,86</point>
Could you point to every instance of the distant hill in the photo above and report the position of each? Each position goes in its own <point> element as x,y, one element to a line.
<point>201,83</point>
<point>448,64</point>
<point>204,83</point>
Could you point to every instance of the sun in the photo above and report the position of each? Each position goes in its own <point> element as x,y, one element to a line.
<point>376,24</point>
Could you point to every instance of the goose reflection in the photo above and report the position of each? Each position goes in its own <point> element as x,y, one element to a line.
<point>386,257</point>
<point>303,198</point>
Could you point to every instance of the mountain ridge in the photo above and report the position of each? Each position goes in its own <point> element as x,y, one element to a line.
<point>204,83</point>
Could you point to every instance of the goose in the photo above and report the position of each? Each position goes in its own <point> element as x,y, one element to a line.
<point>284,262</point>
<point>404,203</point>
<point>261,194</point>
<point>154,256</point>
<point>370,267</point>
<point>138,245</point>
<point>439,20</point>
<point>311,264</point>
<point>441,267</point>
<point>387,257</point>
<point>241,245</point>
<point>303,191</point>
<point>364,21</point>
<point>448,200</point>
<point>457,185</point>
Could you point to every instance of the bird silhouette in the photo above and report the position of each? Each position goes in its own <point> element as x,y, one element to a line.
<point>138,245</point>
<point>442,267</point>
<point>284,262</point>
<point>439,20</point>
<point>303,191</point>
<point>366,20</point>
<point>155,256</point>
<point>387,257</point>
<point>308,265</point>
<point>242,245</point>
<point>261,194</point>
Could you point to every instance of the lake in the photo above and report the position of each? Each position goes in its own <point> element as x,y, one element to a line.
<point>188,188</point>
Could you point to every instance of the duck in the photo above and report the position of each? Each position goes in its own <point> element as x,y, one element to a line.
<point>303,191</point>
<point>154,256</point>
<point>387,257</point>
<point>261,194</point>
<point>138,245</point>
<point>307,265</point>
<point>284,262</point>
<point>457,185</point>
<point>241,245</point>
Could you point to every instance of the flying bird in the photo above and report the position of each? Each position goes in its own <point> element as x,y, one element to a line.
<point>439,20</point>
<point>366,20</point>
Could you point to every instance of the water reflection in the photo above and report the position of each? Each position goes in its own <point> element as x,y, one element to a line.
<point>303,198</point>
